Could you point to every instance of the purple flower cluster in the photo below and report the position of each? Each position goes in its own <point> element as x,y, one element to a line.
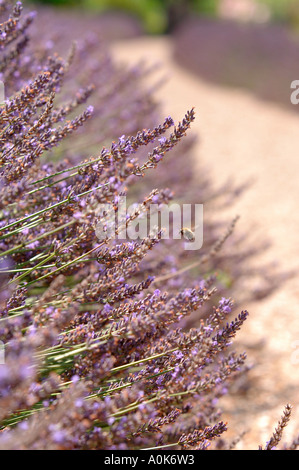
<point>98,351</point>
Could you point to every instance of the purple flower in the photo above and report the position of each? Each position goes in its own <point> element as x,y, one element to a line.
<point>58,436</point>
<point>101,331</point>
<point>225,305</point>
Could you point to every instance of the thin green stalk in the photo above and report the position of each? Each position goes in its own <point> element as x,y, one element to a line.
<point>121,387</point>
<point>49,208</point>
<point>65,265</point>
<point>132,407</point>
<point>141,361</point>
<point>46,234</point>
<point>22,276</point>
<point>81,165</point>
<point>51,184</point>
<point>24,269</point>
<point>32,224</point>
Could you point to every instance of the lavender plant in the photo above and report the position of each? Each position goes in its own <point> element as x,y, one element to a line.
<point>96,352</point>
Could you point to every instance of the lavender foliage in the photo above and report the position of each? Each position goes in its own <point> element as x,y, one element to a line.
<point>97,352</point>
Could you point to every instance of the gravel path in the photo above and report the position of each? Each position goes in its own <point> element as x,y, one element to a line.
<point>241,136</point>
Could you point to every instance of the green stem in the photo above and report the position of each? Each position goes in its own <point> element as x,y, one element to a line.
<point>32,224</point>
<point>51,184</point>
<point>81,165</point>
<point>28,271</point>
<point>121,387</point>
<point>22,245</point>
<point>141,361</point>
<point>65,265</point>
<point>54,206</point>
<point>132,407</point>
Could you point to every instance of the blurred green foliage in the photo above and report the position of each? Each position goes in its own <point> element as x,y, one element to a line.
<point>59,2</point>
<point>151,12</point>
<point>160,16</point>
<point>157,16</point>
<point>284,10</point>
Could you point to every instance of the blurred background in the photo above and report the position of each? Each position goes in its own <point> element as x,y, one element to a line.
<point>160,16</point>
<point>252,44</point>
<point>234,60</point>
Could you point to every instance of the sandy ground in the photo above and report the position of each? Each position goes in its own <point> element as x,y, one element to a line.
<point>242,136</point>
